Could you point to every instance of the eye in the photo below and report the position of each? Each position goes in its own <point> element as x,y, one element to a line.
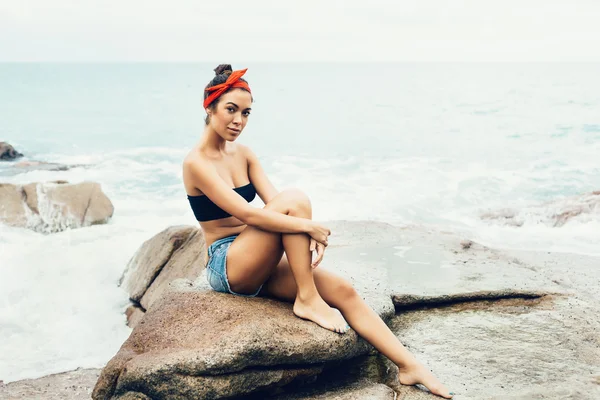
<point>246,113</point>
<point>230,109</point>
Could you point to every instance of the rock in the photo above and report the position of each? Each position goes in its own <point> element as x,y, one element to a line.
<point>507,315</point>
<point>134,315</point>
<point>466,244</point>
<point>477,317</point>
<point>404,301</point>
<point>72,385</point>
<point>54,206</point>
<point>364,390</point>
<point>176,252</point>
<point>46,166</point>
<point>555,213</point>
<point>366,377</point>
<point>513,348</point>
<point>204,344</point>
<point>7,152</point>
<point>186,262</point>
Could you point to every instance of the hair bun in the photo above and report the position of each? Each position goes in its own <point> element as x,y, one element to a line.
<point>223,69</point>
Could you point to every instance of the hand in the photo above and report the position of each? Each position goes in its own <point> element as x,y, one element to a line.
<point>319,233</point>
<point>320,248</point>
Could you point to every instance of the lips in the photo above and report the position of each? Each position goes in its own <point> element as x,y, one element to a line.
<point>234,130</point>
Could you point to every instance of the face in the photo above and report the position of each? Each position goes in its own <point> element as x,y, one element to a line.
<point>230,115</point>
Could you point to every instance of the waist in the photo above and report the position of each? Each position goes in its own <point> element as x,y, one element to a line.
<point>213,231</point>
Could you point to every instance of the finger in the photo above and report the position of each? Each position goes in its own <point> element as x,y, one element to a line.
<point>316,260</point>
<point>320,254</point>
<point>313,245</point>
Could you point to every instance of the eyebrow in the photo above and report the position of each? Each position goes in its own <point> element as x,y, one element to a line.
<point>230,102</point>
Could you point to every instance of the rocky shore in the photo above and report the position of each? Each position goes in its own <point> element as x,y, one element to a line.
<point>491,324</point>
<point>49,207</point>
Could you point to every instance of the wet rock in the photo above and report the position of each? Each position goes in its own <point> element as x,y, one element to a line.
<point>54,206</point>
<point>8,153</point>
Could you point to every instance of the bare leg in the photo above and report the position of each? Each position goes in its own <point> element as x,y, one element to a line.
<point>339,293</point>
<point>308,303</point>
<point>247,268</point>
<point>372,328</point>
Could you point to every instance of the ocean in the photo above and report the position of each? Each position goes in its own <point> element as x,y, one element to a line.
<point>492,152</point>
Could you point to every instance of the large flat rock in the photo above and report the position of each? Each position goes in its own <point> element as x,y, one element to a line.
<point>425,263</point>
<point>491,323</point>
<point>513,348</point>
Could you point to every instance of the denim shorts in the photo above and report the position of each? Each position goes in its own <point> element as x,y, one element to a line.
<point>216,269</point>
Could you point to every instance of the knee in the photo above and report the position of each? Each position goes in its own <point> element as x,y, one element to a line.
<point>344,289</point>
<point>298,203</point>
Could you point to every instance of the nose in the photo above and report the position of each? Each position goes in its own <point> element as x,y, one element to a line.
<point>237,118</point>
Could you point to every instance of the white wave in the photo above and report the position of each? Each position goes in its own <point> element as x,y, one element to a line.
<point>583,208</point>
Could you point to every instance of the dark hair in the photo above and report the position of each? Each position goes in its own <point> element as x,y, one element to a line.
<point>222,72</point>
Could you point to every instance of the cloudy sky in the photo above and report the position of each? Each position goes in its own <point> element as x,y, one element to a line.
<point>306,30</point>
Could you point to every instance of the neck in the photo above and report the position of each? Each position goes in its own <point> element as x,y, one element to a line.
<point>211,141</point>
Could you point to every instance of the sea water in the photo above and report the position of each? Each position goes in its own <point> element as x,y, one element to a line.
<point>493,152</point>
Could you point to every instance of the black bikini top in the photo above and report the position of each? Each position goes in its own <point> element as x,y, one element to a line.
<point>205,210</point>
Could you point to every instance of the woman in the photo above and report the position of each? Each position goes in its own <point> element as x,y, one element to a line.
<point>269,251</point>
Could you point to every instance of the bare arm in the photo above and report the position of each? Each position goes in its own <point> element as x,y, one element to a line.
<point>205,177</point>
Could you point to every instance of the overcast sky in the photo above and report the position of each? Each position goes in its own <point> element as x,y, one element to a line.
<point>306,30</point>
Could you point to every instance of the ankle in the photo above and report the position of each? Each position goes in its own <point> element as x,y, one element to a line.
<point>307,295</point>
<point>409,364</point>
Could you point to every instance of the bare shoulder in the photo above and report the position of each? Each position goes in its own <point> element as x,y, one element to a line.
<point>246,152</point>
<point>194,167</point>
<point>189,161</point>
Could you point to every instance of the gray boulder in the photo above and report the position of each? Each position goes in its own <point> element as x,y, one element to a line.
<point>54,206</point>
<point>8,153</point>
<point>176,252</point>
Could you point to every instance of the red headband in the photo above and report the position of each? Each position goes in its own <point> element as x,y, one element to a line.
<point>233,81</point>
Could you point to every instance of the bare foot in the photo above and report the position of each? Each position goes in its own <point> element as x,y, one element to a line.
<point>417,373</point>
<point>315,309</point>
